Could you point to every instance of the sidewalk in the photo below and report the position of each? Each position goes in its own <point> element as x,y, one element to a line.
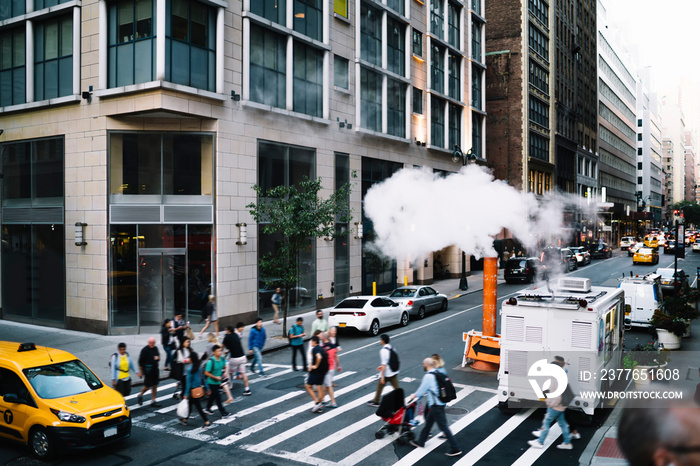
<point>95,350</point>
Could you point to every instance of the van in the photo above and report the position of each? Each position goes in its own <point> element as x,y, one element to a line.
<point>52,401</point>
<point>642,297</point>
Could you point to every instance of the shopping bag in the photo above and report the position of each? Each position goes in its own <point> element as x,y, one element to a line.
<point>189,334</point>
<point>183,409</point>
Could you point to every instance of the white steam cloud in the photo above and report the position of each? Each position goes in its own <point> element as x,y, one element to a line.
<point>416,212</point>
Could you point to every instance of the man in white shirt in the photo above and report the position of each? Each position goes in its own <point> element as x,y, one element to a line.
<point>386,374</point>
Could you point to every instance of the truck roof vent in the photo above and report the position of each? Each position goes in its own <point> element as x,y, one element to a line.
<point>580,285</point>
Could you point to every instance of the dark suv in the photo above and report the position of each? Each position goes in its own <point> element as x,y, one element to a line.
<point>559,260</point>
<point>523,269</point>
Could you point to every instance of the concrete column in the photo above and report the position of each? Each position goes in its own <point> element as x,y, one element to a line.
<point>220,50</point>
<point>103,53</point>
<point>160,40</point>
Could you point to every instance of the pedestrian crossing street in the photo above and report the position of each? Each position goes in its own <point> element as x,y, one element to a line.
<point>284,427</point>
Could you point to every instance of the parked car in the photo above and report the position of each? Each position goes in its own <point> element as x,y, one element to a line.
<point>696,246</point>
<point>601,251</point>
<point>634,248</point>
<point>668,286</point>
<point>522,269</point>
<point>418,300</point>
<point>558,259</point>
<point>583,257</point>
<point>626,242</point>
<point>645,256</point>
<point>367,314</point>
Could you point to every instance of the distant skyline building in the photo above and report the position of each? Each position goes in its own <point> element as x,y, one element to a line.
<point>673,130</point>
<point>650,176</point>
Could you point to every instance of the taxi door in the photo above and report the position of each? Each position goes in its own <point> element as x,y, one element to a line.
<point>14,405</point>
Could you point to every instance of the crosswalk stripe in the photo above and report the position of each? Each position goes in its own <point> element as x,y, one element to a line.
<point>532,454</point>
<point>194,434</point>
<point>287,414</point>
<point>435,442</point>
<point>164,387</point>
<point>304,426</point>
<point>274,401</point>
<point>268,377</point>
<point>478,452</point>
<point>290,456</point>
<point>373,447</point>
<point>338,436</point>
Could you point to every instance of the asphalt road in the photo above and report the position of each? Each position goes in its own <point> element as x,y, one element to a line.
<point>275,426</point>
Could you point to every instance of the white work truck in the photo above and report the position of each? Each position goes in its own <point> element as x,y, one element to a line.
<point>577,321</point>
<point>643,297</point>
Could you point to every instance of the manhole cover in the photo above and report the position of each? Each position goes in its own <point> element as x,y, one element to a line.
<point>294,382</point>
<point>456,411</point>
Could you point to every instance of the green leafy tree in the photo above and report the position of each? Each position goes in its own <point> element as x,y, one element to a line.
<point>691,211</point>
<point>298,215</point>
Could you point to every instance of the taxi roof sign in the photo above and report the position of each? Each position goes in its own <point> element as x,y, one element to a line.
<point>26,347</point>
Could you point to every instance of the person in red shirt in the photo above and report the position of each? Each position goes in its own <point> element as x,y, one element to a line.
<point>332,351</point>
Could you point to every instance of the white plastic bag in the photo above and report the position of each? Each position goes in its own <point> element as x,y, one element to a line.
<point>183,409</point>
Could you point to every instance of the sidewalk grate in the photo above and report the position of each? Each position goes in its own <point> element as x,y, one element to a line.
<point>609,449</point>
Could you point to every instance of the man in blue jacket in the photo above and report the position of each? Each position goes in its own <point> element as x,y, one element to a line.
<point>435,412</point>
<point>256,341</point>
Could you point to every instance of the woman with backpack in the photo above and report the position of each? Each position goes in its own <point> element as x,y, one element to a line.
<point>194,390</point>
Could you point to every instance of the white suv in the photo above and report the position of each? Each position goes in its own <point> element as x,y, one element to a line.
<point>626,242</point>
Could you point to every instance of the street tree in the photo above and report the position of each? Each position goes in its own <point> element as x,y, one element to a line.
<point>691,211</point>
<point>296,215</point>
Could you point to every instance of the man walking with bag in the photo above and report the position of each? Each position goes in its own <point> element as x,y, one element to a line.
<point>388,369</point>
<point>214,371</point>
<point>436,409</point>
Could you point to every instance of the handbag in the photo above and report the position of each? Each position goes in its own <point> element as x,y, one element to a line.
<point>189,334</point>
<point>183,409</point>
<point>197,392</point>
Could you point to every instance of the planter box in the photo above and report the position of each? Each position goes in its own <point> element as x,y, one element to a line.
<point>668,339</point>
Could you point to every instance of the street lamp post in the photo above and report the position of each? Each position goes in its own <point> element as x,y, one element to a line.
<point>458,155</point>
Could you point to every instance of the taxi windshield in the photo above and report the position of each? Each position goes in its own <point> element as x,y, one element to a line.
<point>62,379</point>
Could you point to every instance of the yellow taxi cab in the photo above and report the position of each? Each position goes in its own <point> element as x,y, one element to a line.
<point>651,241</point>
<point>51,401</point>
<point>645,256</point>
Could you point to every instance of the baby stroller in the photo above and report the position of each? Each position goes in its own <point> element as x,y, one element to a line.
<point>399,418</point>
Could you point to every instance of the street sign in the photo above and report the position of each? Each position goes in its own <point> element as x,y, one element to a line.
<point>607,228</point>
<point>482,348</point>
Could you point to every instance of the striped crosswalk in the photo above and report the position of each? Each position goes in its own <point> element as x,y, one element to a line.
<point>283,426</point>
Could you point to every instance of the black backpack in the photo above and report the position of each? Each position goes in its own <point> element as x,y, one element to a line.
<point>446,389</point>
<point>393,360</point>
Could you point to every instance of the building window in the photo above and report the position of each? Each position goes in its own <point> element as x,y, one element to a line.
<point>308,18</point>
<point>453,34</point>
<point>10,9</point>
<point>437,69</point>
<point>540,10</point>
<point>53,54</point>
<point>308,80</point>
<point>640,180</point>
<point>285,165</point>
<point>396,46</point>
<point>160,165</point>
<point>476,7</point>
<point>639,165</point>
<point>454,123</point>
<point>476,41</point>
<point>476,87</point>
<point>417,43</point>
<point>371,99</point>
<point>437,18</point>
<point>33,173</point>
<point>639,151</point>
<point>539,147</point>
<point>41,4</point>
<point>12,67</point>
<point>539,77</point>
<point>340,7</point>
<point>396,108</point>
<point>538,42</point>
<point>340,72</point>
<point>639,122</point>
<point>398,6</point>
<point>539,112</point>
<point>437,122</point>
<point>371,34</point>
<point>639,136</point>
<point>131,42</point>
<point>453,78</point>
<point>417,101</point>
<point>190,44</point>
<point>274,10</point>
<point>268,62</point>
<point>477,134</point>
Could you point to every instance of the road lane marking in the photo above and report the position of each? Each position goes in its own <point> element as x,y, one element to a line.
<point>164,387</point>
<point>455,427</point>
<point>490,442</point>
<point>373,447</point>
<point>532,454</point>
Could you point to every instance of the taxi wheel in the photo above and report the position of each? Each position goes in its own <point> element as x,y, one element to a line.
<point>40,443</point>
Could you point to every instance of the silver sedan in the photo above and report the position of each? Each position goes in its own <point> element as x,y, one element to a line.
<point>418,300</point>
